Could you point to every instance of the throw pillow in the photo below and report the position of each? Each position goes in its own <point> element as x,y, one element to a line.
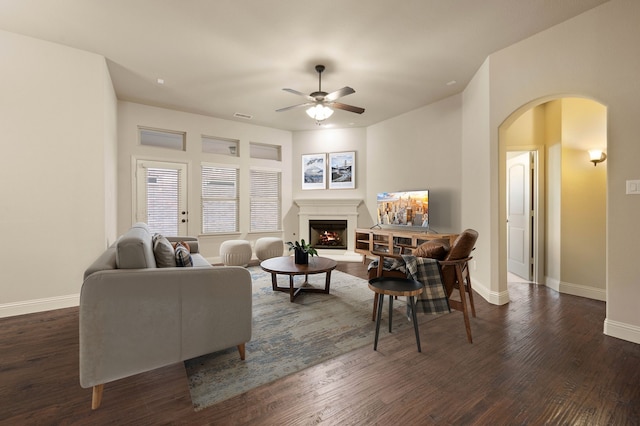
<point>184,244</point>
<point>163,252</point>
<point>183,257</point>
<point>434,249</point>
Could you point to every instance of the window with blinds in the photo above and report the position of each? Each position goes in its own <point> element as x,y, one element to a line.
<point>265,200</point>
<point>219,199</point>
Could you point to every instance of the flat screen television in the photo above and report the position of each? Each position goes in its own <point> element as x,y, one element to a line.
<point>403,209</point>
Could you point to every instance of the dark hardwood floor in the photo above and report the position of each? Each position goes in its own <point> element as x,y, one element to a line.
<point>541,359</point>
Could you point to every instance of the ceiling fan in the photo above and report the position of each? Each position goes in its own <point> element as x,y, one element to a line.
<point>320,103</point>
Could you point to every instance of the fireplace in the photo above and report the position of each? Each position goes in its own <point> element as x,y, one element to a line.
<point>329,210</point>
<point>328,234</point>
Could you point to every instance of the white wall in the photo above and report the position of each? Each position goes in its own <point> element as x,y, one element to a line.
<point>584,196</point>
<point>327,141</point>
<point>478,172</point>
<point>419,150</point>
<point>57,109</point>
<point>583,225</point>
<point>593,55</point>
<point>553,138</point>
<point>132,115</point>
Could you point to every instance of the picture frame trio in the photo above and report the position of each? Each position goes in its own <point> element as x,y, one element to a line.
<point>341,168</point>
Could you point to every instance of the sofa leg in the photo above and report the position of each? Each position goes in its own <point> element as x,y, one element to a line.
<point>241,350</point>
<point>96,398</point>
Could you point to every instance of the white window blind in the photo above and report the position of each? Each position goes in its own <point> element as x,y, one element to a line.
<point>265,200</point>
<point>163,200</point>
<point>219,199</point>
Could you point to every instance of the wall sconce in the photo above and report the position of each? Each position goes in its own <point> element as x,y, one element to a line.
<point>597,156</point>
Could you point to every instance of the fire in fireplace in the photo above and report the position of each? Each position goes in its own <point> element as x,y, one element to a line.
<point>328,234</point>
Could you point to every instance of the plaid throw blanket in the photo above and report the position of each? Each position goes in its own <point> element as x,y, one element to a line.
<point>433,299</point>
<point>389,264</point>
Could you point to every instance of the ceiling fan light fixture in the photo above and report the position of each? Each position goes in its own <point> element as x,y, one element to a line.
<point>319,112</point>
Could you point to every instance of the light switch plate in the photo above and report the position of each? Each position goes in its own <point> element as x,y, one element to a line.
<point>633,187</point>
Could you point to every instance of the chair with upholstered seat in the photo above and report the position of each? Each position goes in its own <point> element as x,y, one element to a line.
<point>455,273</point>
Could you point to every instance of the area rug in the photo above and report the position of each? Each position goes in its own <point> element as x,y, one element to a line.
<point>289,337</point>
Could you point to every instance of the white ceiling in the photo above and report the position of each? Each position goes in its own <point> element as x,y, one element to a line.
<point>219,57</point>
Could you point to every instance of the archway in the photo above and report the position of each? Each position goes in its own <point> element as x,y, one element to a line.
<point>568,247</point>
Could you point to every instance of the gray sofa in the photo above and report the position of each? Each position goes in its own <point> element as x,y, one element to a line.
<point>135,317</point>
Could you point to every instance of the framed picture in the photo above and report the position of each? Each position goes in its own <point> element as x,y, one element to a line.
<point>314,171</point>
<point>342,166</point>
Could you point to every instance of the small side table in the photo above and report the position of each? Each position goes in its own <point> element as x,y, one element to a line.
<point>393,286</point>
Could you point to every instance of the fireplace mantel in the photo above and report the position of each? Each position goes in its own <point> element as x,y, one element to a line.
<point>323,209</point>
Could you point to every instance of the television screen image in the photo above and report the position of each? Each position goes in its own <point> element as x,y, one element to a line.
<point>405,208</point>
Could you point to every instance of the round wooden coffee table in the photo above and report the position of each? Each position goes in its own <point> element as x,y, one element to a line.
<point>285,266</point>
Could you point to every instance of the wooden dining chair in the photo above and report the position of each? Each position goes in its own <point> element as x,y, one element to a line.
<point>455,273</point>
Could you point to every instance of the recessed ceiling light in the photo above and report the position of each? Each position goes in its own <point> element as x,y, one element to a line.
<point>160,81</point>
<point>451,83</point>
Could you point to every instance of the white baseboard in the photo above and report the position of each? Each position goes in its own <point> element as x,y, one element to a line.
<point>620,330</point>
<point>39,305</point>
<point>576,289</point>
<point>552,283</point>
<point>493,297</point>
<point>583,291</point>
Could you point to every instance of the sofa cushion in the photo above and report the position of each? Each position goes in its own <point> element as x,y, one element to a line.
<point>183,257</point>
<point>434,249</point>
<point>163,252</point>
<point>134,249</point>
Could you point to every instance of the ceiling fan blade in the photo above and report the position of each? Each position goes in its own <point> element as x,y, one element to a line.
<point>346,107</point>
<point>295,106</point>
<point>295,92</point>
<point>339,93</point>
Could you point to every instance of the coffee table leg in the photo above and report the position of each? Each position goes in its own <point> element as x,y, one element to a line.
<point>274,281</point>
<point>327,282</point>
<point>415,321</point>
<point>291,288</point>
<point>380,300</point>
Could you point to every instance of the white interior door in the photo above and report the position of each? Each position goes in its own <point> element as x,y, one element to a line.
<point>161,192</point>
<point>519,215</point>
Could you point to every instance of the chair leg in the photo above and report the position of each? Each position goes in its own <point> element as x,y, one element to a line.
<point>380,298</point>
<point>470,291</point>
<point>375,306</point>
<point>463,300</point>
<point>96,397</point>
<point>241,349</point>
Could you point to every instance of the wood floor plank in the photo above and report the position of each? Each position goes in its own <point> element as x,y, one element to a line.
<point>540,359</point>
